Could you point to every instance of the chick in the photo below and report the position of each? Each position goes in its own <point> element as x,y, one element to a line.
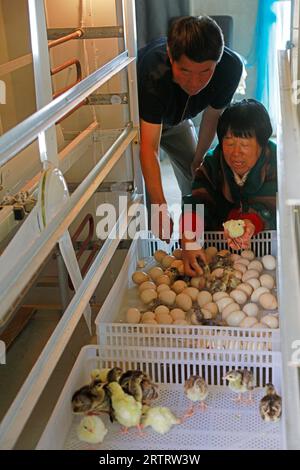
<point>196,389</point>
<point>161,419</point>
<point>91,429</point>
<point>150,390</point>
<point>106,375</point>
<point>91,399</point>
<point>139,385</point>
<point>270,406</point>
<point>240,381</point>
<point>127,411</point>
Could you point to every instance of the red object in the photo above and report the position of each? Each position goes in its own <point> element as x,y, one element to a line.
<point>236,214</point>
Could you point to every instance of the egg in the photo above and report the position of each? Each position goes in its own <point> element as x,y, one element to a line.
<point>238,274</point>
<point>218,273</point>
<point>139,277</point>
<point>210,253</point>
<point>133,315</point>
<point>240,267</point>
<point>235,318</point>
<point>223,253</point>
<point>155,272</point>
<point>255,283</point>
<point>213,308</point>
<point>150,322</point>
<point>159,255</point>
<point>167,261</point>
<point>147,296</point>
<point>180,321</point>
<point>178,264</point>
<point>256,265</point>
<point>248,322</point>
<point>260,325</point>
<point>222,303</point>
<point>192,292</point>
<point>233,307</point>
<point>258,292</point>
<point>234,257</point>
<point>269,262</point>
<point>248,254</point>
<point>162,287</point>
<point>245,288</point>
<point>184,302</point>
<point>268,301</point>
<point>198,282</point>
<point>238,296</point>
<point>147,316</point>
<point>164,279</point>
<point>163,319</point>
<point>270,320</point>
<point>194,320</point>
<point>219,295</point>
<point>179,286</point>
<point>177,314</point>
<point>251,309</point>
<point>167,297</point>
<point>177,253</point>
<point>161,309</point>
<point>250,274</point>
<point>147,285</point>
<point>244,261</point>
<point>207,315</point>
<point>203,298</point>
<point>266,280</point>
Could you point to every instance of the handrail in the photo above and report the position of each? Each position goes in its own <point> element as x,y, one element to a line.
<point>20,410</point>
<point>19,276</point>
<point>24,133</point>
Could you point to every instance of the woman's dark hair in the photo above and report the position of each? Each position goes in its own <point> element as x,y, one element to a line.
<point>199,38</point>
<point>246,118</point>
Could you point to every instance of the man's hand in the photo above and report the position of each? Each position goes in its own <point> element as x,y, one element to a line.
<point>190,262</point>
<point>242,242</point>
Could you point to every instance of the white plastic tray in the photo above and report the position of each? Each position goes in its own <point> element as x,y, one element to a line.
<point>113,331</point>
<point>225,424</point>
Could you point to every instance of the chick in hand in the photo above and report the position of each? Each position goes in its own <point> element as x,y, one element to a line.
<point>240,381</point>
<point>127,411</point>
<point>196,389</point>
<point>160,418</point>
<point>270,406</point>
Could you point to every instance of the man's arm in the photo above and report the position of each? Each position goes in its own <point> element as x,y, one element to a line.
<point>207,133</point>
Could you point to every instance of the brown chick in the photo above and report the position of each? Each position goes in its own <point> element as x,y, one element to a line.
<point>196,389</point>
<point>240,381</point>
<point>270,406</point>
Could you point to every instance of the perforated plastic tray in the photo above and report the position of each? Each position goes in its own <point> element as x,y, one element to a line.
<point>113,331</point>
<point>224,425</point>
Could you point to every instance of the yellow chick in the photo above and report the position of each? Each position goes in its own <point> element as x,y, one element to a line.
<point>106,375</point>
<point>196,389</point>
<point>91,429</point>
<point>160,418</point>
<point>235,228</point>
<point>270,406</point>
<point>127,411</point>
<point>240,381</point>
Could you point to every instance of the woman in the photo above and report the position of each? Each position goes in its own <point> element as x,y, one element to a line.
<point>237,179</point>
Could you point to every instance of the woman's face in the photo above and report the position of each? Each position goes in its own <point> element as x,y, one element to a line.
<point>240,153</point>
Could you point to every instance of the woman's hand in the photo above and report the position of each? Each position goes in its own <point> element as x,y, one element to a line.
<point>243,242</point>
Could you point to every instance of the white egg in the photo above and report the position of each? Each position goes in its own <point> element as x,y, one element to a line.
<point>240,267</point>
<point>167,297</point>
<point>245,288</point>
<point>177,253</point>
<point>233,307</point>
<point>147,285</point>
<point>164,319</point>
<point>256,265</point>
<point>234,257</point>
<point>139,277</point>
<point>133,315</point>
<point>177,314</point>
<point>162,309</point>
<point>155,272</point>
<point>179,286</point>
<point>239,296</point>
<point>251,309</point>
<point>184,301</point>
<point>203,298</point>
<point>147,316</point>
<point>235,318</point>
<point>162,287</point>
<point>192,292</point>
<point>164,279</point>
<point>248,254</point>
<point>219,295</point>
<point>269,262</point>
<point>258,292</point>
<point>198,282</point>
<point>147,296</point>
<point>248,322</point>
<point>244,261</point>
<point>250,274</point>
<point>159,255</point>
<point>270,320</point>
<point>255,283</point>
<point>207,315</point>
<point>268,301</point>
<point>213,308</point>
<point>222,303</point>
<point>266,280</point>
<point>167,261</point>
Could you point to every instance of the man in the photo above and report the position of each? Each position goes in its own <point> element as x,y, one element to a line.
<point>178,77</point>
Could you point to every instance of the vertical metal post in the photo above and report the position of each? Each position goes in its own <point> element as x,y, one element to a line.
<point>42,77</point>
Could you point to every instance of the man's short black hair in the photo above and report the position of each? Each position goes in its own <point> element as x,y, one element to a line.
<point>246,118</point>
<point>199,38</point>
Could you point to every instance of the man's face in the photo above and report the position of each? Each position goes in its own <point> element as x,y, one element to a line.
<point>192,76</point>
<point>240,153</point>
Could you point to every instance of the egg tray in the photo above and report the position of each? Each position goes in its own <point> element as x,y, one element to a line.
<point>224,425</point>
<point>112,330</point>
